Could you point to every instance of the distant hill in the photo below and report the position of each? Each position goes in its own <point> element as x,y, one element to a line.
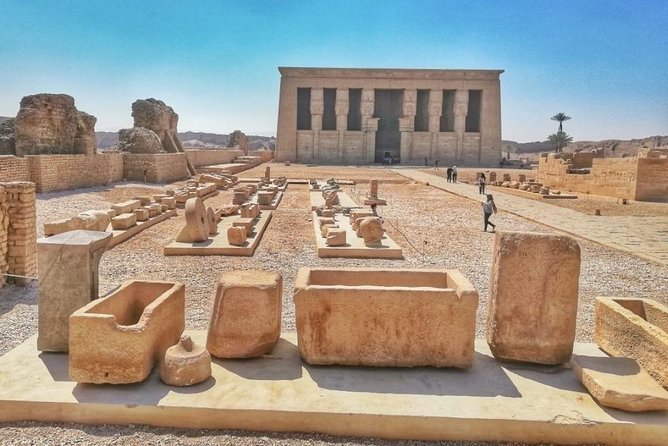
<point>3,118</point>
<point>106,140</point>
<point>612,147</point>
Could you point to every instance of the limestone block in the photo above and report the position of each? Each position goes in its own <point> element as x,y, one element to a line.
<point>97,220</point>
<point>525,186</point>
<point>246,318</point>
<point>212,221</point>
<point>58,227</point>
<point>535,188</point>
<point>185,364</point>
<point>124,221</point>
<point>506,177</point>
<point>531,317</point>
<point>265,198</point>
<point>384,317</point>
<point>521,178</point>
<point>236,235</point>
<point>328,213</point>
<point>514,185</point>
<point>126,207</point>
<point>634,328</point>
<point>154,209</point>
<point>371,230</point>
<point>336,237</point>
<point>252,188</point>
<point>159,197</point>
<point>240,197</point>
<point>505,184</point>
<point>142,214</point>
<point>326,221</point>
<point>324,229</point>
<point>119,338</point>
<point>196,228</point>
<point>164,208</point>
<point>144,200</point>
<point>249,210</point>
<point>68,279</point>
<point>246,223</point>
<point>169,201</point>
<point>544,191</point>
<point>620,383</point>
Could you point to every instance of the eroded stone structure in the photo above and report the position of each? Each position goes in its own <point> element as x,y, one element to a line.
<point>362,116</point>
<point>119,338</point>
<point>376,317</point>
<point>533,300</point>
<point>240,140</point>
<point>185,364</point>
<point>246,317</point>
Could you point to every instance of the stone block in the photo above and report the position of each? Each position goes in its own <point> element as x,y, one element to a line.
<point>185,364</point>
<point>620,383</point>
<point>336,237</point>
<point>144,200</point>
<point>246,223</point>
<point>154,209</point>
<point>126,207</point>
<point>249,210</point>
<point>377,317</point>
<point>142,214</point>
<point>58,226</point>
<point>196,228</point>
<point>68,279</point>
<point>634,328</point>
<point>246,318</point>
<point>164,208</point>
<point>169,201</point>
<point>119,338</point>
<point>236,235</point>
<point>124,221</point>
<point>371,230</point>
<point>324,229</point>
<point>95,220</point>
<point>264,198</point>
<point>531,317</point>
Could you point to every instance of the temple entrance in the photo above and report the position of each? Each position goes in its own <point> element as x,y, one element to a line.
<point>388,107</point>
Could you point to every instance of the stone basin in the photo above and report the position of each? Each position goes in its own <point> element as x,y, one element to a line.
<point>119,338</point>
<point>377,317</point>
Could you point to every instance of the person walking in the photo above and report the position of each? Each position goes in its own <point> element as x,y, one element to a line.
<point>481,183</point>
<point>454,174</point>
<point>448,172</point>
<point>488,209</point>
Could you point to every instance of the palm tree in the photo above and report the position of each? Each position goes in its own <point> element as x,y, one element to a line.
<point>560,140</point>
<point>561,117</point>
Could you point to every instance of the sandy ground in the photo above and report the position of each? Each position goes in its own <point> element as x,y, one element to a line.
<point>585,203</point>
<point>435,228</point>
<point>303,171</point>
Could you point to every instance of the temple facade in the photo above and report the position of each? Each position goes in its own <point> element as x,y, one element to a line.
<point>366,116</point>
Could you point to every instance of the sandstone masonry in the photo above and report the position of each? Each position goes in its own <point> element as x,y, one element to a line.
<point>18,250</point>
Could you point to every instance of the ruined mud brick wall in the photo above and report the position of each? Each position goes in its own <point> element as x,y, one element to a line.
<point>155,168</point>
<point>652,179</point>
<point>200,157</point>
<point>13,168</point>
<point>18,231</point>
<point>53,173</point>
<point>266,155</point>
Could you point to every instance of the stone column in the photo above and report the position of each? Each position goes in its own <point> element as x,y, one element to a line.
<point>68,280</point>
<point>341,108</point>
<point>435,110</point>
<point>407,125</point>
<point>369,124</point>
<point>317,108</point>
<point>461,110</point>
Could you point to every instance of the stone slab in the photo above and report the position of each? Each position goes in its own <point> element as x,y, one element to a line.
<point>271,206</point>
<point>354,246</point>
<point>218,244</point>
<point>120,235</point>
<point>344,200</point>
<point>491,401</point>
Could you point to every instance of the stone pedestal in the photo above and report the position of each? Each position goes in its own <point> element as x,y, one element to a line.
<point>246,317</point>
<point>68,280</point>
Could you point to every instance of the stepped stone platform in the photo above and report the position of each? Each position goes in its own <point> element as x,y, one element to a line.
<point>344,200</point>
<point>121,235</point>
<point>491,401</point>
<point>218,244</point>
<point>354,246</point>
<point>231,168</point>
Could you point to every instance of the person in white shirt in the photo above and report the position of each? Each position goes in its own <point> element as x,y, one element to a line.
<point>489,208</point>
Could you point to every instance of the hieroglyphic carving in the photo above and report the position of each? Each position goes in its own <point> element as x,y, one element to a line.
<point>367,102</point>
<point>317,102</point>
<point>409,102</point>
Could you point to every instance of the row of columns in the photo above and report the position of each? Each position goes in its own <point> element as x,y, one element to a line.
<point>406,122</point>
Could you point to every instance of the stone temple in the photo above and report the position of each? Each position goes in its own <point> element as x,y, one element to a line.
<point>365,116</point>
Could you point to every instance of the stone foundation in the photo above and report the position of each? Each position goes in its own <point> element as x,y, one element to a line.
<point>18,235</point>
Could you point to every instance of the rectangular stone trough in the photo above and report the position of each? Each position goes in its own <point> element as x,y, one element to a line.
<point>119,338</point>
<point>377,317</point>
<point>634,328</point>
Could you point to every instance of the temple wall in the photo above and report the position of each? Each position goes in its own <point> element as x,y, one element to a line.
<point>155,167</point>
<point>52,173</point>
<point>201,157</point>
<point>18,231</point>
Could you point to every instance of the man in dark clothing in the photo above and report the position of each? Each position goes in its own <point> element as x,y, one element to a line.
<point>448,172</point>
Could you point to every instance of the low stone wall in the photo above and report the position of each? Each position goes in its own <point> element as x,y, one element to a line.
<point>155,168</point>
<point>266,155</point>
<point>18,232</point>
<point>13,168</point>
<point>652,179</point>
<point>52,173</point>
<point>200,157</point>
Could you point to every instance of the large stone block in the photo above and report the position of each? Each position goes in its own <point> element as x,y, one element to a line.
<point>119,338</point>
<point>634,328</point>
<point>533,297</point>
<point>124,221</point>
<point>246,317</point>
<point>376,317</point>
<point>68,279</point>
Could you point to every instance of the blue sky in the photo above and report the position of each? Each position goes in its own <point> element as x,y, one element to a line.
<point>605,63</point>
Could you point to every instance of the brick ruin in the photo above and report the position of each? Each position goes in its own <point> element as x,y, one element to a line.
<point>642,178</point>
<point>18,255</point>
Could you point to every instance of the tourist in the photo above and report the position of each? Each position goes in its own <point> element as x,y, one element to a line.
<point>454,174</point>
<point>448,172</point>
<point>426,164</point>
<point>436,163</point>
<point>481,183</point>
<point>489,208</point>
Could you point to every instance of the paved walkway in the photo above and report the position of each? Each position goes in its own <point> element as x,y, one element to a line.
<point>645,237</point>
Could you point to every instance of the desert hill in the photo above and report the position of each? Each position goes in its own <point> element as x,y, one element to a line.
<point>106,140</point>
